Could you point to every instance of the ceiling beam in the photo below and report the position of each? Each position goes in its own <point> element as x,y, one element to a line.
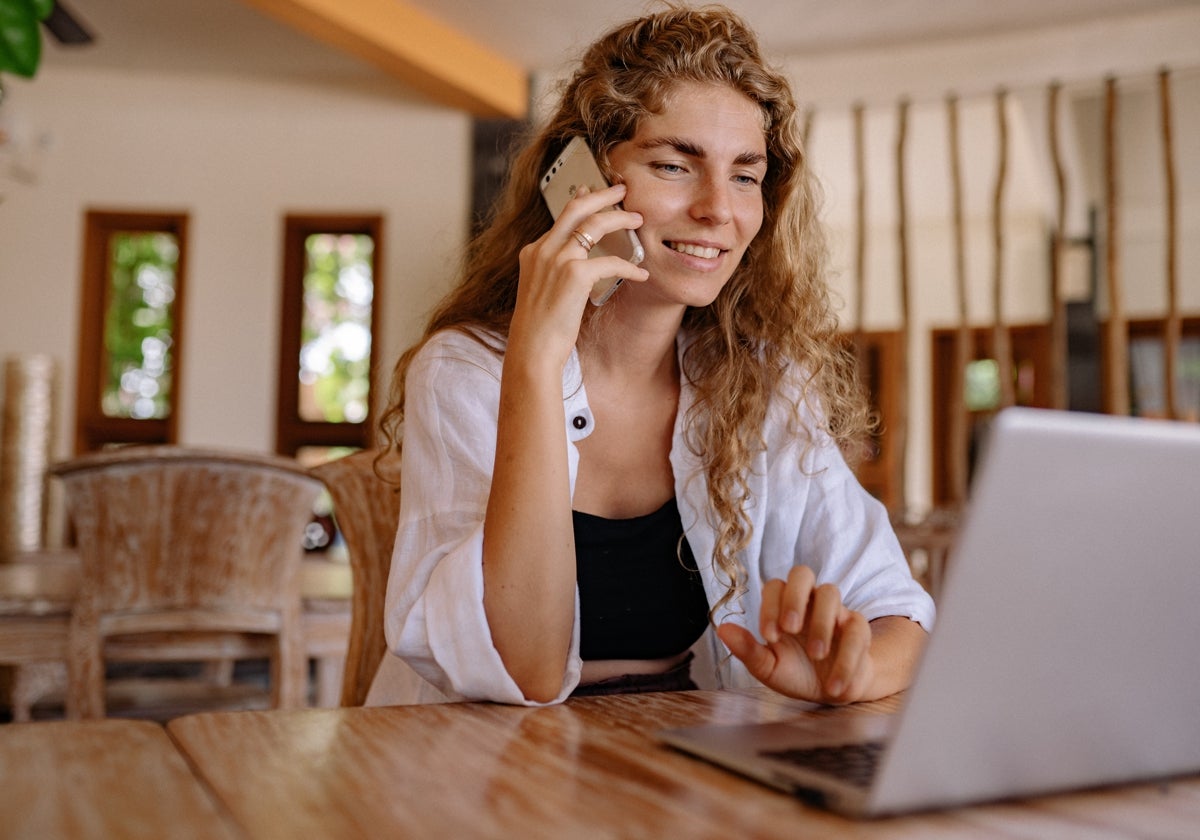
<point>408,43</point>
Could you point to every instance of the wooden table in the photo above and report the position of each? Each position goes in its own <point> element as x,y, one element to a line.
<point>45,583</point>
<point>588,768</point>
<point>101,779</point>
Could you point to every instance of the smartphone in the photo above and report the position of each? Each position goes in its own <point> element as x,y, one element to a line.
<point>577,167</point>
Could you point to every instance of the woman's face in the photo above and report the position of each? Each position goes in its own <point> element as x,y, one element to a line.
<point>695,173</point>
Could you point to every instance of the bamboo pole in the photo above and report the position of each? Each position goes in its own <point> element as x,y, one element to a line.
<point>860,228</point>
<point>900,427</point>
<point>1058,308</point>
<point>957,438</point>
<point>1001,346</point>
<point>1116,334</point>
<point>1173,331</point>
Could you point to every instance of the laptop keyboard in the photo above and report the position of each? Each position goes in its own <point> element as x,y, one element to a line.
<point>853,763</point>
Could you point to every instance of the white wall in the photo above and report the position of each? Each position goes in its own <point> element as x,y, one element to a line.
<point>236,156</point>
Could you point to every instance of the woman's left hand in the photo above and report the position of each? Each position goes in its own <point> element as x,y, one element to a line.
<point>816,648</point>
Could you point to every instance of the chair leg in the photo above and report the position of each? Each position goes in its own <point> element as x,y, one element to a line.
<point>31,682</point>
<point>289,672</point>
<point>219,672</point>
<point>85,671</point>
<point>329,681</point>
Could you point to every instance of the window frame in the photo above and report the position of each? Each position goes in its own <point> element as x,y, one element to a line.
<point>1030,344</point>
<point>292,433</point>
<point>93,428</point>
<point>1141,328</point>
<point>880,356</point>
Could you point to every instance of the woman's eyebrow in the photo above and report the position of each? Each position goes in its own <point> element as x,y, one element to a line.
<point>750,159</point>
<point>691,149</point>
<point>684,147</point>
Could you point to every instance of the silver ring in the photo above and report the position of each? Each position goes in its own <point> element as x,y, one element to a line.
<point>585,241</point>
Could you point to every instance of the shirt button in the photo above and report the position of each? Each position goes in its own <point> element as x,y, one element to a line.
<point>579,422</point>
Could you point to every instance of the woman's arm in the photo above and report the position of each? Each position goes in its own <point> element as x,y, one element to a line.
<point>528,538</point>
<point>528,544</point>
<point>843,619</point>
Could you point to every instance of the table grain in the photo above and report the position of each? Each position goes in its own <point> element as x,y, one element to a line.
<point>588,768</point>
<point>74,780</point>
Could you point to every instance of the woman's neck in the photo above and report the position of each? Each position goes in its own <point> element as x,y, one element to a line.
<point>631,343</point>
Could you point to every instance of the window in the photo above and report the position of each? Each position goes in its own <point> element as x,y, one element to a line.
<point>1148,366</point>
<point>1031,358</point>
<point>130,317</point>
<point>329,320</point>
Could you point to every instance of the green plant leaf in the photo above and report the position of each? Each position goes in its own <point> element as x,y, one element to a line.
<point>20,38</point>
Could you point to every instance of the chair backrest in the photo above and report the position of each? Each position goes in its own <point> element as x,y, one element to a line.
<point>366,508</point>
<point>177,540</point>
<point>168,527</point>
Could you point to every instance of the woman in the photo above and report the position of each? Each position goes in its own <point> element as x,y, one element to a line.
<point>587,489</point>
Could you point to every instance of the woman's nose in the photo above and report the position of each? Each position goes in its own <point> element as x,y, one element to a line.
<point>712,202</point>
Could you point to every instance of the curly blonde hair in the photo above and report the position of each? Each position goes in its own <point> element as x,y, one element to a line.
<point>774,314</point>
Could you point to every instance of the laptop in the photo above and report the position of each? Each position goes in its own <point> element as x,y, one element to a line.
<point>1066,652</point>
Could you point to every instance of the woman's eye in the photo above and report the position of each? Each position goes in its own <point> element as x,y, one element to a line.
<point>669,168</point>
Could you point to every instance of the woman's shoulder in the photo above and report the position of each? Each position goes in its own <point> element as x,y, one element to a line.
<point>480,349</point>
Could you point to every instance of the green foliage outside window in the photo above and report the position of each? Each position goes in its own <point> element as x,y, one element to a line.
<point>138,325</point>
<point>982,391</point>
<point>335,352</point>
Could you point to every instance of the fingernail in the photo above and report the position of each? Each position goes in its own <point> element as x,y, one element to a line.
<point>836,687</point>
<point>792,622</point>
<point>816,649</point>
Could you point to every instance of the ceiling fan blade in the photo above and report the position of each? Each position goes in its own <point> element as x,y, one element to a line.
<point>66,28</point>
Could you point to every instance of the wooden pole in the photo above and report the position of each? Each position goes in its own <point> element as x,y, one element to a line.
<point>900,429</point>
<point>1116,333</point>
<point>1058,308</point>
<point>1001,347</point>
<point>860,229</point>
<point>957,443</point>
<point>1172,336</point>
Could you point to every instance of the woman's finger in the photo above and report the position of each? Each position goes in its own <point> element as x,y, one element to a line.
<point>768,617</point>
<point>795,601</point>
<point>759,660</point>
<point>853,641</point>
<point>824,610</point>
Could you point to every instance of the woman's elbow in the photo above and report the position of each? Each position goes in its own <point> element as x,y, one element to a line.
<point>540,684</point>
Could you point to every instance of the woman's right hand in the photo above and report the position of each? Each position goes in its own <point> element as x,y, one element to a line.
<point>557,276</point>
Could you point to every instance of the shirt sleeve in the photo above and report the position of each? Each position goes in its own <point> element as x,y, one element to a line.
<point>824,519</point>
<point>435,618</point>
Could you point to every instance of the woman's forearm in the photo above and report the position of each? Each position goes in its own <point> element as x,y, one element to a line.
<point>528,537</point>
<point>896,645</point>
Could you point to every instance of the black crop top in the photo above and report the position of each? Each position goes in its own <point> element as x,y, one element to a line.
<point>640,596</point>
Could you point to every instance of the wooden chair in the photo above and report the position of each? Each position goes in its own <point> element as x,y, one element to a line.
<point>186,555</point>
<point>927,543</point>
<point>366,508</point>
<point>37,590</point>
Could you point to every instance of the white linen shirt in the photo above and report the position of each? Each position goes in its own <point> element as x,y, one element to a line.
<point>815,513</point>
